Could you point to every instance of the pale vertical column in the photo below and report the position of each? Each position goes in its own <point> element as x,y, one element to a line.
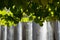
<point>19,30</point>
<point>5,33</point>
<point>40,31</point>
<point>50,31</point>
<point>58,30</point>
<point>36,31</point>
<point>0,32</point>
<point>43,31</point>
<point>29,31</point>
<point>11,33</point>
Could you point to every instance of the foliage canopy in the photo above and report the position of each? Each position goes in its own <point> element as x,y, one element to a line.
<point>13,11</point>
